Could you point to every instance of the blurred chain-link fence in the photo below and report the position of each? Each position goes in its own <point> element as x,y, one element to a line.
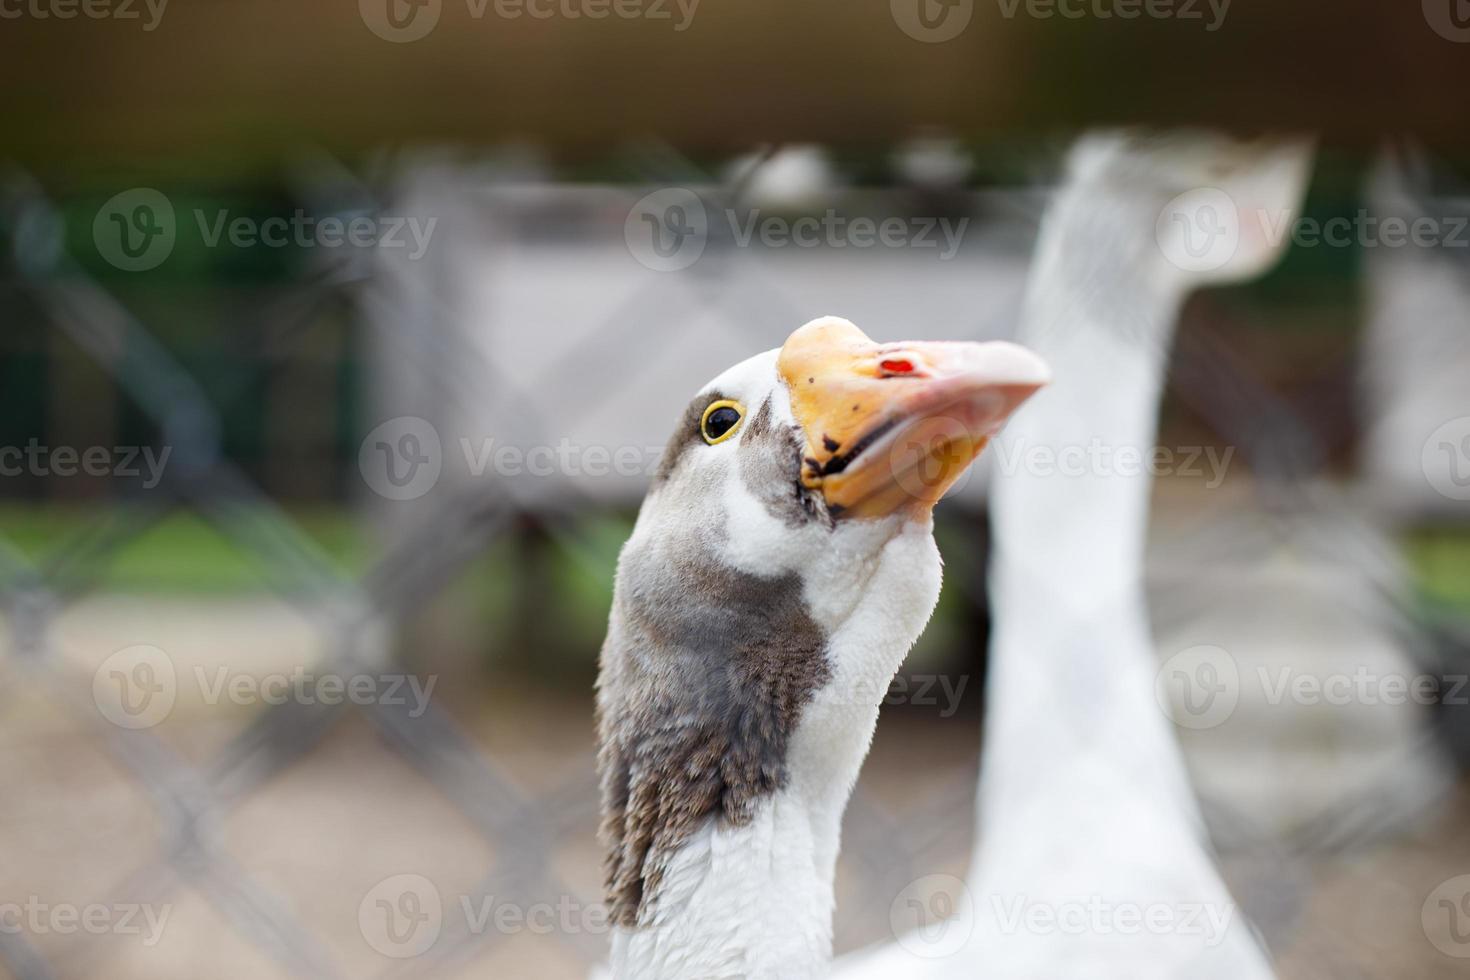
<point>297,661</point>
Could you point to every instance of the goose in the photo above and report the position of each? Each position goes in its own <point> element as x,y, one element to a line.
<point>1091,859</point>
<point>780,568</point>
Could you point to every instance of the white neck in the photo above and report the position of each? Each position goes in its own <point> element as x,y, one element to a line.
<point>1072,677</point>
<point>1084,798</point>
<point>1084,792</point>
<point>755,902</point>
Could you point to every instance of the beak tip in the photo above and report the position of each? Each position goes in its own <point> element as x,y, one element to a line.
<point>1006,363</point>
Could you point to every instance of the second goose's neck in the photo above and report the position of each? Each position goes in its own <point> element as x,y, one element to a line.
<point>1071,689</point>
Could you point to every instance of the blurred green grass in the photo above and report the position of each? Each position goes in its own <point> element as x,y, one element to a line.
<point>184,554</point>
<point>180,554</point>
<point>1441,561</point>
<point>536,598</point>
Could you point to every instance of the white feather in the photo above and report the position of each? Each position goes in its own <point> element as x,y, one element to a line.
<point>755,902</point>
<point>1087,828</point>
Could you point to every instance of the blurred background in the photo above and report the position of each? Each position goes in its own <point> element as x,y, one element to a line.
<point>338,343</point>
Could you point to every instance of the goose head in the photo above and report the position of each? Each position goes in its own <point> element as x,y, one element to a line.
<point>780,568</point>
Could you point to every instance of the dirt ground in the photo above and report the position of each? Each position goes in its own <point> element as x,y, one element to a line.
<point>275,871</point>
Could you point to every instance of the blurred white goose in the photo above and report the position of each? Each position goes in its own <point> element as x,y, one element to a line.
<point>1091,859</point>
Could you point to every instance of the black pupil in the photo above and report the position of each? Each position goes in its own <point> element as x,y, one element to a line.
<point>720,421</point>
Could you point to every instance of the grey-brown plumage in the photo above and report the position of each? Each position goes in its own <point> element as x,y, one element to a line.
<point>704,671</point>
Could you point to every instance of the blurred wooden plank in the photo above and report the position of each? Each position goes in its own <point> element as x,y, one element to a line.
<point>225,82</point>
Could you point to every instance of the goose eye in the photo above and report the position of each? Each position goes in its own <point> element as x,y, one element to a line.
<point>720,421</point>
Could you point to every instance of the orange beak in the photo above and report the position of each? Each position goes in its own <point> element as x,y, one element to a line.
<point>891,427</point>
